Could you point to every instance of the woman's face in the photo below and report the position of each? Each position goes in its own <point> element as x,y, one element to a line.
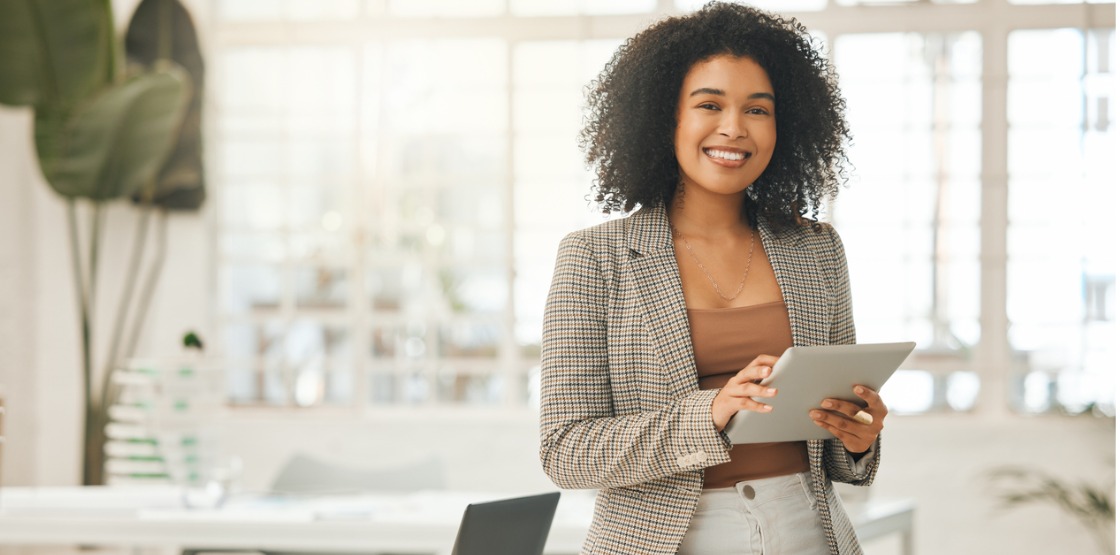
<point>725,125</point>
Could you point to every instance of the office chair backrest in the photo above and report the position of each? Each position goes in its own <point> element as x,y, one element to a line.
<point>507,527</point>
<point>305,475</point>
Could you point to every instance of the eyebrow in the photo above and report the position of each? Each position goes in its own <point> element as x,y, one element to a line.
<point>719,92</point>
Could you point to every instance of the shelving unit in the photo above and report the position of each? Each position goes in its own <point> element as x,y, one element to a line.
<point>159,429</point>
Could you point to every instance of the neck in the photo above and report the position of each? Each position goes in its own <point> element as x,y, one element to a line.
<point>698,212</point>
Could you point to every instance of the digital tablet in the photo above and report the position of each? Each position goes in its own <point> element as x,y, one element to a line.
<point>805,376</point>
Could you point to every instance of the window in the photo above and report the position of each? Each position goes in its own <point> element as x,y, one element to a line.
<point>550,177</point>
<point>1061,267</point>
<point>910,219</point>
<point>392,179</point>
<point>389,213</point>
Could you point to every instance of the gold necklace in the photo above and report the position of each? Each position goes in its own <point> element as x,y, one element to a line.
<point>712,280</point>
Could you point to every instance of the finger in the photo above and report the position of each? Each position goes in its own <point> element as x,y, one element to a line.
<point>764,360</point>
<point>843,434</point>
<point>746,403</point>
<point>861,414</point>
<point>874,401</point>
<point>839,405</point>
<point>854,441</point>
<point>750,389</point>
<point>758,368</point>
<point>752,374</point>
<point>847,422</point>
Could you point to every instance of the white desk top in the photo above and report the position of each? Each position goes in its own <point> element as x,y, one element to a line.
<point>420,521</point>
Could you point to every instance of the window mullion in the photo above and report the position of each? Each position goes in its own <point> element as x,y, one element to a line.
<point>360,230</point>
<point>510,363</point>
<point>993,358</point>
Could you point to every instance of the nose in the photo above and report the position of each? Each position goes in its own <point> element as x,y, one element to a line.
<point>732,126</point>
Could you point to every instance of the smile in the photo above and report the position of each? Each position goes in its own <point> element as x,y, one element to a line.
<point>726,154</point>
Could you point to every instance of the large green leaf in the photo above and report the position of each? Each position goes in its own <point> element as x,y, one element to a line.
<point>54,52</point>
<point>161,30</point>
<point>112,146</point>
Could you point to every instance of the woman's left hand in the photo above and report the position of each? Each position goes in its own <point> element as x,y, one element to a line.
<point>840,419</point>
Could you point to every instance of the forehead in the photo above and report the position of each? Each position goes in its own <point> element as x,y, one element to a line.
<point>728,73</point>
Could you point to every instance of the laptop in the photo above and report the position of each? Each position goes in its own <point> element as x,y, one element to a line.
<point>508,527</point>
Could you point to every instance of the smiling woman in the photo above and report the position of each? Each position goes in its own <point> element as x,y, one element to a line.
<point>724,129</point>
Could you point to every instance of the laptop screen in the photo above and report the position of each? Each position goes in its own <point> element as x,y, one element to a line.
<point>508,527</point>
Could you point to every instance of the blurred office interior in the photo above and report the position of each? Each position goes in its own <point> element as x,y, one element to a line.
<point>387,182</point>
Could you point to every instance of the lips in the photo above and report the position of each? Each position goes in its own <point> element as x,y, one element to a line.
<point>728,157</point>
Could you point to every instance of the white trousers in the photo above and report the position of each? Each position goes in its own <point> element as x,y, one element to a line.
<point>772,516</point>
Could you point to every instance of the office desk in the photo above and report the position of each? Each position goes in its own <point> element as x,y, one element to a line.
<point>421,522</point>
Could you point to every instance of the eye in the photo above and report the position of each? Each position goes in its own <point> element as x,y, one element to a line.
<point>758,111</point>
<point>709,106</point>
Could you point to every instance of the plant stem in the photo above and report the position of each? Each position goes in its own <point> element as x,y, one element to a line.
<point>94,251</point>
<point>95,425</point>
<point>93,469</point>
<point>91,466</point>
<point>80,286</point>
<point>127,293</point>
<point>150,282</point>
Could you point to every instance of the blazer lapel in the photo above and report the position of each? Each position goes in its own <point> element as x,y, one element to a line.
<point>656,282</point>
<point>802,282</point>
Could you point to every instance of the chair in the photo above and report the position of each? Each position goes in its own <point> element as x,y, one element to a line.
<point>508,527</point>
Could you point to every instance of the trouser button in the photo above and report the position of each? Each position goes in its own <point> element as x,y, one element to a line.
<point>748,492</point>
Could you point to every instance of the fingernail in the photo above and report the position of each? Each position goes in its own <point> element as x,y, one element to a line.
<point>827,404</point>
<point>767,408</point>
<point>859,389</point>
<point>817,415</point>
<point>765,370</point>
<point>771,391</point>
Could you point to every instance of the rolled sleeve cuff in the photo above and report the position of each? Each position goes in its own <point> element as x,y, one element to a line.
<point>863,465</point>
<point>714,443</point>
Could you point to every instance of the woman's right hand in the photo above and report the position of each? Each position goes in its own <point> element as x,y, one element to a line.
<point>737,392</point>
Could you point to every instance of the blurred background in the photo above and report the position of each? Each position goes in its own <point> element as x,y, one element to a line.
<point>387,182</point>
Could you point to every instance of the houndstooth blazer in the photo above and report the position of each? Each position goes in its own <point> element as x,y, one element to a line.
<point>621,408</point>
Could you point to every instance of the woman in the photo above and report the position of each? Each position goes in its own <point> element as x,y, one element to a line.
<point>725,129</point>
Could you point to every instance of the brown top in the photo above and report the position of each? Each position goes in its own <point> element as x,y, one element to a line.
<point>724,341</point>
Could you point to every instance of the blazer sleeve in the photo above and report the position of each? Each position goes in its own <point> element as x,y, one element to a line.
<point>839,465</point>
<point>583,443</point>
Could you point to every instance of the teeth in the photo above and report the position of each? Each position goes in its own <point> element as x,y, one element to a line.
<point>725,155</point>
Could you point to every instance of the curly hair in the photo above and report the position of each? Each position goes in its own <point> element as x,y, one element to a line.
<point>628,135</point>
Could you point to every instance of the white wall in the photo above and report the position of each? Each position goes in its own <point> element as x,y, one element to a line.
<point>40,364</point>
<point>17,379</point>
